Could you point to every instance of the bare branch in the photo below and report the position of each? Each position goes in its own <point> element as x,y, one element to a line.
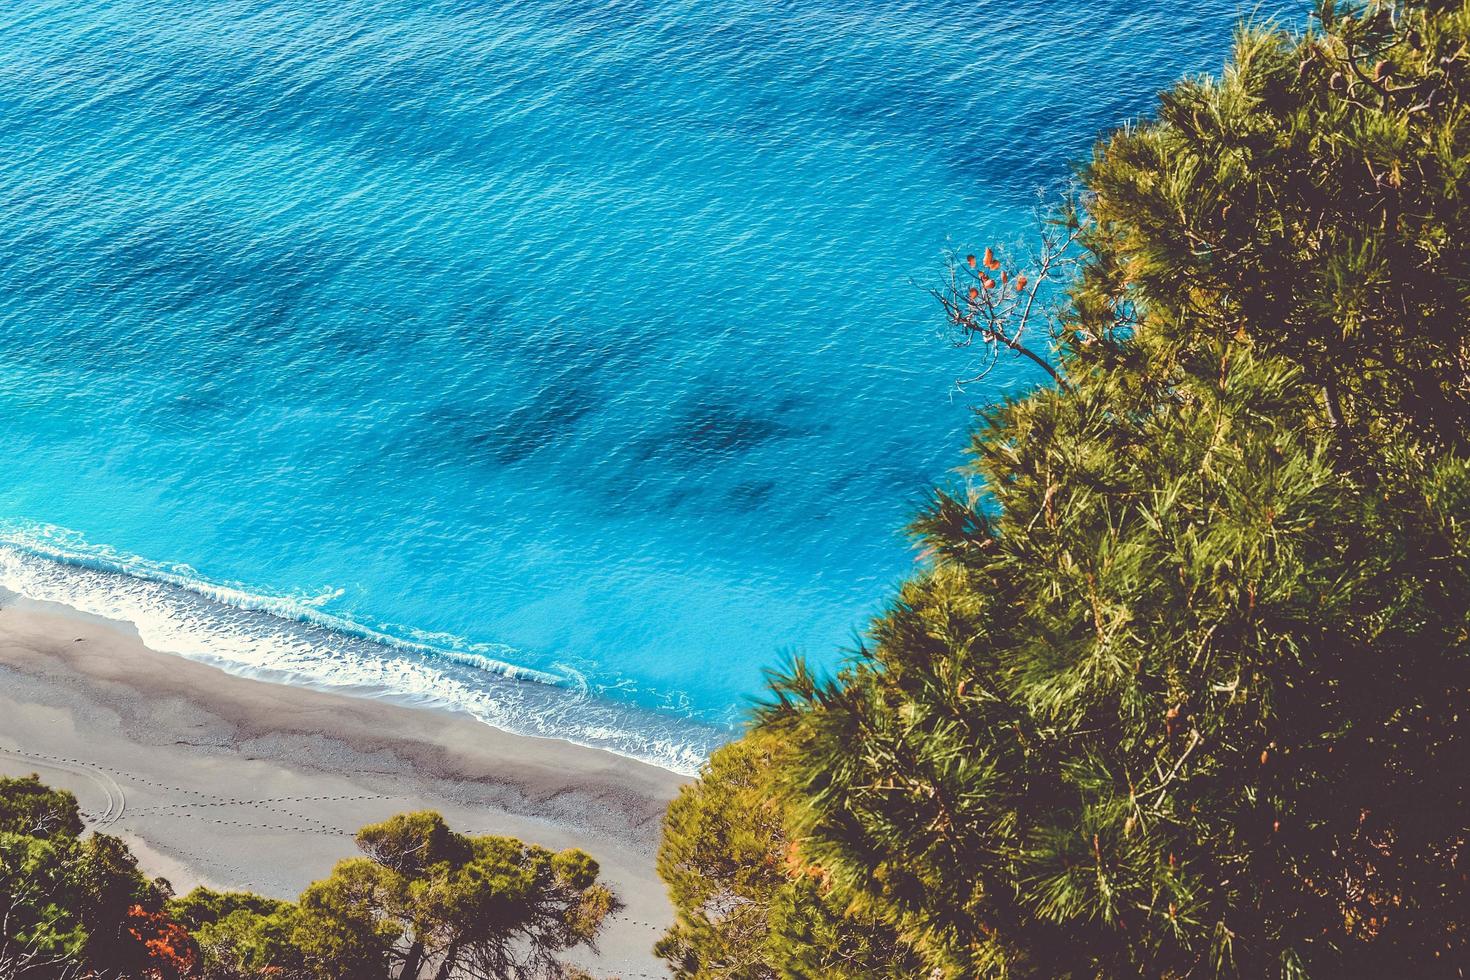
<point>996,300</point>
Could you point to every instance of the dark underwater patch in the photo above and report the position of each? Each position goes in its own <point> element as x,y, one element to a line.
<point>495,436</point>
<point>720,427</point>
<point>750,495</point>
<point>722,433</point>
<point>533,426</point>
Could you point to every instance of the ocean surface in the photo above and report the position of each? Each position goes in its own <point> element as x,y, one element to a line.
<point>564,363</point>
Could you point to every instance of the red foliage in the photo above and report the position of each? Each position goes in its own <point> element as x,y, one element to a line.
<point>167,950</point>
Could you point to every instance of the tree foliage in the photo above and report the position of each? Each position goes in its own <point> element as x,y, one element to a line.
<point>485,906</point>
<point>1190,701</point>
<point>425,902</point>
<point>73,905</point>
<point>1182,685</point>
<point>1315,196</point>
<point>32,809</point>
<point>242,935</point>
<point>750,906</point>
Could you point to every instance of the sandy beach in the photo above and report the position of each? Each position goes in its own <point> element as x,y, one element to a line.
<point>234,783</point>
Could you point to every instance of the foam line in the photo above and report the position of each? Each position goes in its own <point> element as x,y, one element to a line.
<point>291,640</point>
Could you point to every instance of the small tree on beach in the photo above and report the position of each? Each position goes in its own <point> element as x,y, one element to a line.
<point>426,902</point>
<point>481,906</point>
<point>242,935</point>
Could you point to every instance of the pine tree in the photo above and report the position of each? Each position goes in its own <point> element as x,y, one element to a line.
<point>76,905</point>
<point>1187,701</point>
<point>1314,198</point>
<point>750,905</point>
<point>1183,687</point>
<point>424,902</point>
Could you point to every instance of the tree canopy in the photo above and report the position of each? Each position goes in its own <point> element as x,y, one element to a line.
<point>749,906</point>
<point>425,902</point>
<point>74,905</point>
<point>1314,198</point>
<point>1181,684</point>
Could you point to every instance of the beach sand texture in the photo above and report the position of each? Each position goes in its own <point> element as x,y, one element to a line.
<point>235,783</point>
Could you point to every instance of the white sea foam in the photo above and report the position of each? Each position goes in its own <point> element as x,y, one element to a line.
<point>291,640</point>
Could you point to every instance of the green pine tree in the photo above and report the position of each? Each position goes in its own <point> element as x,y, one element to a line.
<point>1183,688</point>
<point>750,905</point>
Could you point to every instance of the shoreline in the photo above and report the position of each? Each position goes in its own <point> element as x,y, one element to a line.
<point>279,639</point>
<point>233,782</point>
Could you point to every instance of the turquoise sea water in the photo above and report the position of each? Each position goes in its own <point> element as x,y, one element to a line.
<point>560,362</point>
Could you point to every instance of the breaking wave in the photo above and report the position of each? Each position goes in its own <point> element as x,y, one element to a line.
<point>290,639</point>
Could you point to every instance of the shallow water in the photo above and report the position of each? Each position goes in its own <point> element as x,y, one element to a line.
<point>416,345</point>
